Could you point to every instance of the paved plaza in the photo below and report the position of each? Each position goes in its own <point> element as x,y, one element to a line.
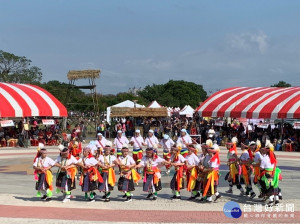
<point>19,204</point>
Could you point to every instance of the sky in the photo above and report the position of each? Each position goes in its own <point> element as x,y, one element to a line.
<point>218,44</point>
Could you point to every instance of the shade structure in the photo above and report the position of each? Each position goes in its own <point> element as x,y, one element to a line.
<point>155,104</point>
<point>247,102</point>
<point>187,111</point>
<point>24,100</point>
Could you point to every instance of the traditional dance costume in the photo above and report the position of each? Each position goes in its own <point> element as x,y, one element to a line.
<point>65,179</point>
<point>44,178</point>
<point>167,143</point>
<point>90,177</point>
<point>193,182</point>
<point>233,176</point>
<point>211,163</point>
<point>108,176</point>
<point>184,141</point>
<point>177,181</point>
<point>152,175</point>
<point>128,176</point>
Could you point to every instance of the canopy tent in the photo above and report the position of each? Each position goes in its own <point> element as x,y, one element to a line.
<point>247,102</point>
<point>155,104</point>
<point>187,111</point>
<point>24,100</point>
<point>126,103</point>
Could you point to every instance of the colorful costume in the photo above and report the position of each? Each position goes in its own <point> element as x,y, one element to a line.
<point>44,179</point>
<point>65,179</point>
<point>152,175</point>
<point>128,176</point>
<point>177,181</point>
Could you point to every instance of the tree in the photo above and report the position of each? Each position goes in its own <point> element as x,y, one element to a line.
<point>175,93</point>
<point>17,69</point>
<point>281,84</point>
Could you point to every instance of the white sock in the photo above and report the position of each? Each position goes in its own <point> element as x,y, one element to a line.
<point>276,198</point>
<point>209,198</point>
<point>217,193</point>
<point>271,198</point>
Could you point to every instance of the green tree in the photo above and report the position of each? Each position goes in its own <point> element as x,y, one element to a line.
<point>175,93</point>
<point>17,69</point>
<point>281,84</point>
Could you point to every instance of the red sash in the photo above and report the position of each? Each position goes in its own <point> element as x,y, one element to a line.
<point>138,142</point>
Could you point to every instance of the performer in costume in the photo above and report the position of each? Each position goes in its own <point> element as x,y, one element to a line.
<point>245,161</point>
<point>119,141</point>
<point>233,176</point>
<point>42,165</point>
<point>102,142</point>
<point>65,177</point>
<point>256,160</point>
<point>151,140</point>
<point>166,143</point>
<point>184,139</point>
<point>211,170</point>
<point>178,161</point>
<point>137,142</point>
<point>108,163</point>
<point>75,148</point>
<point>151,163</point>
<point>192,164</point>
<point>128,175</point>
<point>90,177</point>
<point>270,176</point>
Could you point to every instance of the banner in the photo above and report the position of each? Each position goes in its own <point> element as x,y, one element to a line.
<point>219,123</point>
<point>48,122</point>
<point>7,123</point>
<point>297,125</point>
<point>263,125</point>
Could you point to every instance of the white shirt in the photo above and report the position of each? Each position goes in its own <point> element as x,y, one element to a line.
<point>257,157</point>
<point>151,141</point>
<point>103,142</point>
<point>119,142</point>
<point>128,160</point>
<point>192,160</point>
<point>265,162</point>
<point>187,139</point>
<point>245,155</point>
<point>181,159</point>
<point>167,144</point>
<point>63,161</point>
<point>157,162</point>
<point>109,159</point>
<point>89,161</point>
<point>46,162</point>
<point>137,142</point>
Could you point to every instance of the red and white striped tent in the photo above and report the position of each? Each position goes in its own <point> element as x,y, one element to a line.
<point>24,100</point>
<point>247,102</point>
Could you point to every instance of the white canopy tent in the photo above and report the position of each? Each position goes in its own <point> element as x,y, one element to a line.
<point>155,104</point>
<point>187,111</point>
<point>126,103</point>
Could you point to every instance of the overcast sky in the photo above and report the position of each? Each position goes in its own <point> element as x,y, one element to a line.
<point>218,44</point>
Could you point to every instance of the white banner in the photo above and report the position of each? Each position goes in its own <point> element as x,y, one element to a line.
<point>219,123</point>
<point>48,122</point>
<point>263,125</point>
<point>297,125</point>
<point>7,123</point>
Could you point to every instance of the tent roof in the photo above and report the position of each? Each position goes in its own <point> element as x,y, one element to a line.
<point>248,102</point>
<point>127,103</point>
<point>187,110</point>
<point>24,100</point>
<point>154,104</point>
